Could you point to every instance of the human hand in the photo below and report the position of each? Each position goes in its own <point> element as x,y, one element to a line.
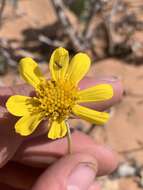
<point>44,163</point>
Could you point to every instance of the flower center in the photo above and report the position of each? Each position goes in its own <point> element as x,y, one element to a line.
<point>56,98</point>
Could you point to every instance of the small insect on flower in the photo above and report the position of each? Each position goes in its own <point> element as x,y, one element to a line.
<point>58,98</point>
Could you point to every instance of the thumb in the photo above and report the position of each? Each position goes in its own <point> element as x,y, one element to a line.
<point>73,172</point>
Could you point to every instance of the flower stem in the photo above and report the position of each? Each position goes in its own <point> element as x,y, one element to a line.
<point>69,139</point>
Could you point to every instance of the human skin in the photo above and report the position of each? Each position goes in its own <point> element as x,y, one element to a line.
<point>38,163</point>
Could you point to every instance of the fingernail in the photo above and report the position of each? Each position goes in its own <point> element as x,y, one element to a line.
<point>111,78</point>
<point>81,177</point>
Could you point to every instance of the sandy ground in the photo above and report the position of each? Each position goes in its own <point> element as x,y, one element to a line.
<point>125,128</point>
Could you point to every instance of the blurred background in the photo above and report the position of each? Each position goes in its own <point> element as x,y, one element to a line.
<point>111,32</point>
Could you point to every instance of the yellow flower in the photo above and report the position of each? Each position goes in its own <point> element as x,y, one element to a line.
<point>59,97</point>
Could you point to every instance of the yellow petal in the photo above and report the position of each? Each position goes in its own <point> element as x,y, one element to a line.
<point>30,71</point>
<point>59,63</point>
<point>96,117</point>
<point>27,124</point>
<point>100,92</point>
<point>57,130</point>
<point>78,67</point>
<point>20,105</point>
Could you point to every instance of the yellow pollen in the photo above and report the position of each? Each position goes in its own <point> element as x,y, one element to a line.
<point>56,99</point>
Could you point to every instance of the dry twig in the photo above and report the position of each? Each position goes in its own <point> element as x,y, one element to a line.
<point>94,8</point>
<point>68,28</point>
<point>2,7</point>
<point>54,43</point>
<point>110,27</point>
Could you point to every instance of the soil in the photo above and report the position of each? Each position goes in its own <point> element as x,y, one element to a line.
<point>124,131</point>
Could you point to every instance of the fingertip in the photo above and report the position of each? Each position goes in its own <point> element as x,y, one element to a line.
<point>66,173</point>
<point>45,151</point>
<point>115,82</point>
<point>107,160</point>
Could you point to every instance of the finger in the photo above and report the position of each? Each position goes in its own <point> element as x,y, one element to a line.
<point>40,152</point>
<point>6,92</point>
<point>66,173</point>
<point>117,91</point>
<point>9,140</point>
<point>85,83</point>
<point>15,176</point>
<point>7,121</point>
<point>18,176</point>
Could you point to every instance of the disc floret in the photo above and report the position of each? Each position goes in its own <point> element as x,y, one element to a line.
<point>56,98</point>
